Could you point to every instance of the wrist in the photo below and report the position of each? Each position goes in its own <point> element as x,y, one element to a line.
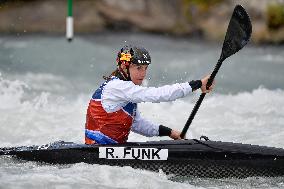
<point>164,131</point>
<point>195,84</point>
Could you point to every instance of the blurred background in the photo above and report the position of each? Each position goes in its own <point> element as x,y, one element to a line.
<point>46,81</point>
<point>41,71</point>
<point>199,18</point>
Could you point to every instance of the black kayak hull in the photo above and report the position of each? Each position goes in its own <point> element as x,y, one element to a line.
<point>211,159</point>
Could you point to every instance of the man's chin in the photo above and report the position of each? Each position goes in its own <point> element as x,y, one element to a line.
<point>139,82</point>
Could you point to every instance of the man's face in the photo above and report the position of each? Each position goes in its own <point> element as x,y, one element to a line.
<point>137,73</point>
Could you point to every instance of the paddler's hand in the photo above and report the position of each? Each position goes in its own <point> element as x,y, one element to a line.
<point>204,83</point>
<point>175,135</point>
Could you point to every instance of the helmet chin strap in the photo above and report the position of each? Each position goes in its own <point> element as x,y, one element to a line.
<point>125,74</point>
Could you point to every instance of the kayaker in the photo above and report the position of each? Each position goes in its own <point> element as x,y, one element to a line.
<point>112,112</point>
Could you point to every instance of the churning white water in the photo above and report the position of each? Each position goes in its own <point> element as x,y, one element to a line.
<point>45,86</point>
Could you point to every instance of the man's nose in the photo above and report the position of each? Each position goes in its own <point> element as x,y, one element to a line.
<point>143,72</point>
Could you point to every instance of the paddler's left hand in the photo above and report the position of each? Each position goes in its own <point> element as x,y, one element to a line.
<point>175,135</point>
<point>204,83</point>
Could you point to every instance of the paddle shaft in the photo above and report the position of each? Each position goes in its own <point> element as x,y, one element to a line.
<point>201,97</point>
<point>237,35</point>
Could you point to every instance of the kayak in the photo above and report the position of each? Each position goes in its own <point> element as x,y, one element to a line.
<point>196,158</point>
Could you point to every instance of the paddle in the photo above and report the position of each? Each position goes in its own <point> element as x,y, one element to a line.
<point>237,36</point>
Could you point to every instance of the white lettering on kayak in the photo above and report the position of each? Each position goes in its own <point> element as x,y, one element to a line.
<point>133,153</point>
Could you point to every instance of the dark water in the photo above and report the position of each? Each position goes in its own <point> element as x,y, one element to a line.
<point>84,61</point>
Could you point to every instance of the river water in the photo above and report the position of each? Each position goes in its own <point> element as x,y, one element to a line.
<point>46,83</point>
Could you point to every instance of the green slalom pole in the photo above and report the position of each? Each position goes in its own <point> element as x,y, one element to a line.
<point>69,22</point>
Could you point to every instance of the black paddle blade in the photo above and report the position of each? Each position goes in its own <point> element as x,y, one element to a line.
<point>238,33</point>
<point>237,36</point>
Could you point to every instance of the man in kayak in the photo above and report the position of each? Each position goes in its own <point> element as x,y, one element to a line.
<point>112,112</point>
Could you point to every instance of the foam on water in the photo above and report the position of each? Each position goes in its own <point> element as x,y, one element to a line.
<point>41,119</point>
<point>46,86</point>
<point>20,174</point>
<point>255,117</point>
<point>80,175</point>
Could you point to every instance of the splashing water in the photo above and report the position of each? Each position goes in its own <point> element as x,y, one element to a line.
<point>44,99</point>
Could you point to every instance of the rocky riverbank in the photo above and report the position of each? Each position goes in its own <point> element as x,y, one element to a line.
<point>206,19</point>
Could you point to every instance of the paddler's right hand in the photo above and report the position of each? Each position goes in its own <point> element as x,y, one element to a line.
<point>175,135</point>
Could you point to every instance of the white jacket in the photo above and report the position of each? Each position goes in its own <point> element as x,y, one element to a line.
<point>117,93</point>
